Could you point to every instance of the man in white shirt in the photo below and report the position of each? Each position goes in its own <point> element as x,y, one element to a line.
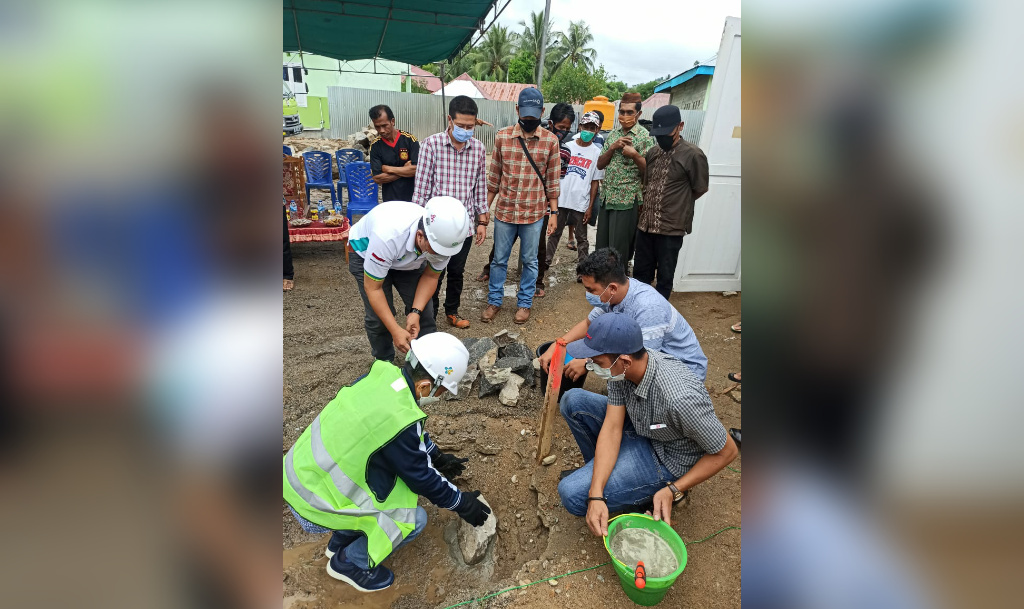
<point>405,246</point>
<point>578,187</point>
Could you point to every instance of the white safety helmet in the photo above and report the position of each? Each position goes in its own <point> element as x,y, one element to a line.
<point>446,224</point>
<point>443,356</point>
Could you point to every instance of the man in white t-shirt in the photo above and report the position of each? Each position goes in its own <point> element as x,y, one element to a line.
<point>404,246</point>
<point>578,187</point>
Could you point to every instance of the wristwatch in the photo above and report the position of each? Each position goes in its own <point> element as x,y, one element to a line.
<point>676,493</point>
<point>552,212</point>
<point>416,311</point>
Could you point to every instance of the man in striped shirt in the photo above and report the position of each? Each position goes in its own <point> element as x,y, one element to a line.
<point>453,163</point>
<point>523,183</point>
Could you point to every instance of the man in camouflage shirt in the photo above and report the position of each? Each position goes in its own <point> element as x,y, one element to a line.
<point>624,166</point>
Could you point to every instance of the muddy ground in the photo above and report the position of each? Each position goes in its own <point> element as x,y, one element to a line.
<point>325,348</point>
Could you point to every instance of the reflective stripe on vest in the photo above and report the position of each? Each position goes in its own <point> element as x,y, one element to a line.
<point>385,518</point>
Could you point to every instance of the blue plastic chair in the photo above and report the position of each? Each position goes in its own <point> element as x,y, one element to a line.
<point>362,190</point>
<point>318,173</point>
<point>287,151</point>
<point>344,157</point>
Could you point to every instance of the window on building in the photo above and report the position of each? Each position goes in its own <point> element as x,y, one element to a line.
<point>285,70</point>
<point>297,74</point>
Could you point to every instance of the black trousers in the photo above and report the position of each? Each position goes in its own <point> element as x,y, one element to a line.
<point>657,254</point>
<point>382,346</point>
<point>456,271</point>
<point>289,270</point>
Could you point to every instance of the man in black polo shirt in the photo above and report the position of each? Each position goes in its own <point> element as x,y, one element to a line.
<point>392,156</point>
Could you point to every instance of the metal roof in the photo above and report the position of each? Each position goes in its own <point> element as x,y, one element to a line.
<point>685,76</point>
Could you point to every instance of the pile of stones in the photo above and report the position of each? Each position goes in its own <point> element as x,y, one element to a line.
<point>501,365</point>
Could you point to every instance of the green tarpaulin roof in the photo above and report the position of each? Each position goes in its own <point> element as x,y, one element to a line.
<point>409,31</point>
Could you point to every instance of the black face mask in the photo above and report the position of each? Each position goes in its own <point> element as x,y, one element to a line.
<point>529,125</point>
<point>664,141</point>
<point>561,135</point>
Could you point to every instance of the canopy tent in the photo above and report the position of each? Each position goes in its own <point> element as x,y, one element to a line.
<point>408,31</point>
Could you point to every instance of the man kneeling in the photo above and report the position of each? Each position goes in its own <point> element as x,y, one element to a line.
<point>358,468</point>
<point>655,435</point>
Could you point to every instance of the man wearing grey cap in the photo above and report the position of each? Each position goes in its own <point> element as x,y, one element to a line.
<point>677,175</point>
<point>650,440</point>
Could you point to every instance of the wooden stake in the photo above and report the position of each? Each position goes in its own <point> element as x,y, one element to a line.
<point>547,417</point>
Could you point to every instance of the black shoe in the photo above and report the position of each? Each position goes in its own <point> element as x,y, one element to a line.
<point>566,472</point>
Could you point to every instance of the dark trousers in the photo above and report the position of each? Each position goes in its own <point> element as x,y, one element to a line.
<point>289,270</point>
<point>657,254</point>
<point>382,346</point>
<point>616,228</point>
<point>543,264</point>
<point>455,271</point>
<point>568,217</point>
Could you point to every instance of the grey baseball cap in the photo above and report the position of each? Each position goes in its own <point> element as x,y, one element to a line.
<point>616,333</point>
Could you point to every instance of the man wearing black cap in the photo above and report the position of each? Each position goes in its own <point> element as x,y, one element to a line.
<point>677,175</point>
<point>651,439</point>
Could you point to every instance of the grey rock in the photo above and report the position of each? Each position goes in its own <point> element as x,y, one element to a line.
<point>600,578</point>
<point>478,347</point>
<point>502,338</point>
<point>493,379</point>
<point>487,360</point>
<point>473,541</point>
<point>510,392</point>
<point>515,350</point>
<point>465,385</point>
<point>488,450</point>
<point>519,365</point>
<point>548,460</point>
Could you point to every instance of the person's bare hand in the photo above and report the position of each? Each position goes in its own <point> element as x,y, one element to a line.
<point>630,152</point>
<point>480,121</point>
<point>481,234</point>
<point>622,142</point>
<point>552,225</point>
<point>597,518</point>
<point>575,369</point>
<point>402,338</point>
<point>586,214</point>
<point>380,178</point>
<point>545,358</point>
<point>412,325</point>
<point>663,505</point>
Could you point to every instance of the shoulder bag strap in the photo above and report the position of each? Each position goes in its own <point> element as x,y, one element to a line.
<point>540,175</point>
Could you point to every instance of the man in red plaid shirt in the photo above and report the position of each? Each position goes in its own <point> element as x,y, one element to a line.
<point>453,163</point>
<point>523,180</point>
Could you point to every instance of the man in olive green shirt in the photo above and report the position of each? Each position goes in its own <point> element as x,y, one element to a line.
<point>624,165</point>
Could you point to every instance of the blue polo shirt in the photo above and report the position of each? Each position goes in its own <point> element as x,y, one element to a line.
<point>663,326</point>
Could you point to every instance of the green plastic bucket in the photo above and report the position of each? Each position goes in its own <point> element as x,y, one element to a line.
<point>656,587</point>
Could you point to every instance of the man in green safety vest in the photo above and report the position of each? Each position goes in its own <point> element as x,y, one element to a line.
<point>358,468</point>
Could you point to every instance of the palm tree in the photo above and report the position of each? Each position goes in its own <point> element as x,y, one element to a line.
<point>573,47</point>
<point>489,60</point>
<point>530,40</point>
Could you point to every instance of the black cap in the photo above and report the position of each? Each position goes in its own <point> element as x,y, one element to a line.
<point>665,120</point>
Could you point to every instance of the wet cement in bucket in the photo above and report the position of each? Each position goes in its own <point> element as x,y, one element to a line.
<point>632,545</point>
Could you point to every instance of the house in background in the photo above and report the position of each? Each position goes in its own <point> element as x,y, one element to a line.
<point>424,79</point>
<point>482,89</point>
<point>310,85</point>
<point>690,89</point>
<point>652,103</point>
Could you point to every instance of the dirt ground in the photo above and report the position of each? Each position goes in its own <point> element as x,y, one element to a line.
<point>325,348</point>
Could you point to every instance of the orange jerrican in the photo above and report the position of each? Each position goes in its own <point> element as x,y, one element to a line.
<point>640,576</point>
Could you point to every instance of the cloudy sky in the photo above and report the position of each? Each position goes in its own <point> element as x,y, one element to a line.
<point>638,40</point>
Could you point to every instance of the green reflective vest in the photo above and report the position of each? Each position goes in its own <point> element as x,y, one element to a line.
<point>325,471</point>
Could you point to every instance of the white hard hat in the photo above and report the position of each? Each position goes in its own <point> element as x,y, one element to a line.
<point>443,356</point>
<point>446,224</point>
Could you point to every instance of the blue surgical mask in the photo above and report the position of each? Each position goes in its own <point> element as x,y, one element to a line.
<point>460,134</point>
<point>595,299</point>
<point>605,374</point>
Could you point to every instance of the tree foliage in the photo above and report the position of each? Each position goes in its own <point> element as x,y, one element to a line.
<point>572,84</point>
<point>573,47</point>
<point>646,89</point>
<point>521,68</point>
<point>490,58</point>
<point>530,41</point>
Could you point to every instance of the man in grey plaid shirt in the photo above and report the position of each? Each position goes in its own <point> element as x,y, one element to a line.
<point>655,435</point>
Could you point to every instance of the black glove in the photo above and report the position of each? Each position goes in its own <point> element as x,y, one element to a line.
<point>450,466</point>
<point>472,510</point>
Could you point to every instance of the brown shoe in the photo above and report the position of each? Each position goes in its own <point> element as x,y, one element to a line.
<point>457,322</point>
<point>488,315</point>
<point>522,315</point>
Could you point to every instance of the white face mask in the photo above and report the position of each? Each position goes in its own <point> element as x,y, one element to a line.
<point>606,373</point>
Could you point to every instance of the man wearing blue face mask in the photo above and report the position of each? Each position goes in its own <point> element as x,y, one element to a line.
<point>609,290</point>
<point>650,440</point>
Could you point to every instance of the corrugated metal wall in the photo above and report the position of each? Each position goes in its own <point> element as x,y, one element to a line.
<point>422,115</point>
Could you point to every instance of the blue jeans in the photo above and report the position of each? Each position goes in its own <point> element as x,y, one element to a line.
<point>637,474</point>
<point>357,553</point>
<point>505,235</point>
